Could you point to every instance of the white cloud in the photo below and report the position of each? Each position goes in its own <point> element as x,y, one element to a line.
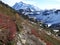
<point>54,0</point>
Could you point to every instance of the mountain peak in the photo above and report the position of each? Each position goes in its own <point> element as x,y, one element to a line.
<point>21,2</point>
<point>22,5</point>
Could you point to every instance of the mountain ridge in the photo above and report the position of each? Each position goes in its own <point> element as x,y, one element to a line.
<point>22,5</point>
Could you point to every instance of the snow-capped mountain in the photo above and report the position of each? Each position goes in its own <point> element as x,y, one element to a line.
<point>25,6</point>
<point>48,17</point>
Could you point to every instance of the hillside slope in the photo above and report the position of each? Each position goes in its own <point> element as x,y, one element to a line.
<point>7,10</point>
<point>23,27</point>
<point>28,33</point>
<point>6,14</point>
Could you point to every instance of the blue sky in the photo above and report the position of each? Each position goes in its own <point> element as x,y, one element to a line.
<point>42,4</point>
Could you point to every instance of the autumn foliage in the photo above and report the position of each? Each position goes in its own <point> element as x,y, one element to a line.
<point>7,24</point>
<point>34,32</point>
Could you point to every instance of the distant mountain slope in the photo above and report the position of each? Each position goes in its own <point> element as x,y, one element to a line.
<point>50,18</point>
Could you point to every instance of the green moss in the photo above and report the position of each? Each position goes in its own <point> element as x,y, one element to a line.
<point>10,43</point>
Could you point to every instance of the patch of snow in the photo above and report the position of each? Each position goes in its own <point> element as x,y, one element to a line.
<point>56,30</point>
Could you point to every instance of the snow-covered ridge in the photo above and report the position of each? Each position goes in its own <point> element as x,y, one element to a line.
<point>22,5</point>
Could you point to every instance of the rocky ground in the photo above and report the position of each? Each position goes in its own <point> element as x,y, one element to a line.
<point>27,38</point>
<point>35,35</point>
